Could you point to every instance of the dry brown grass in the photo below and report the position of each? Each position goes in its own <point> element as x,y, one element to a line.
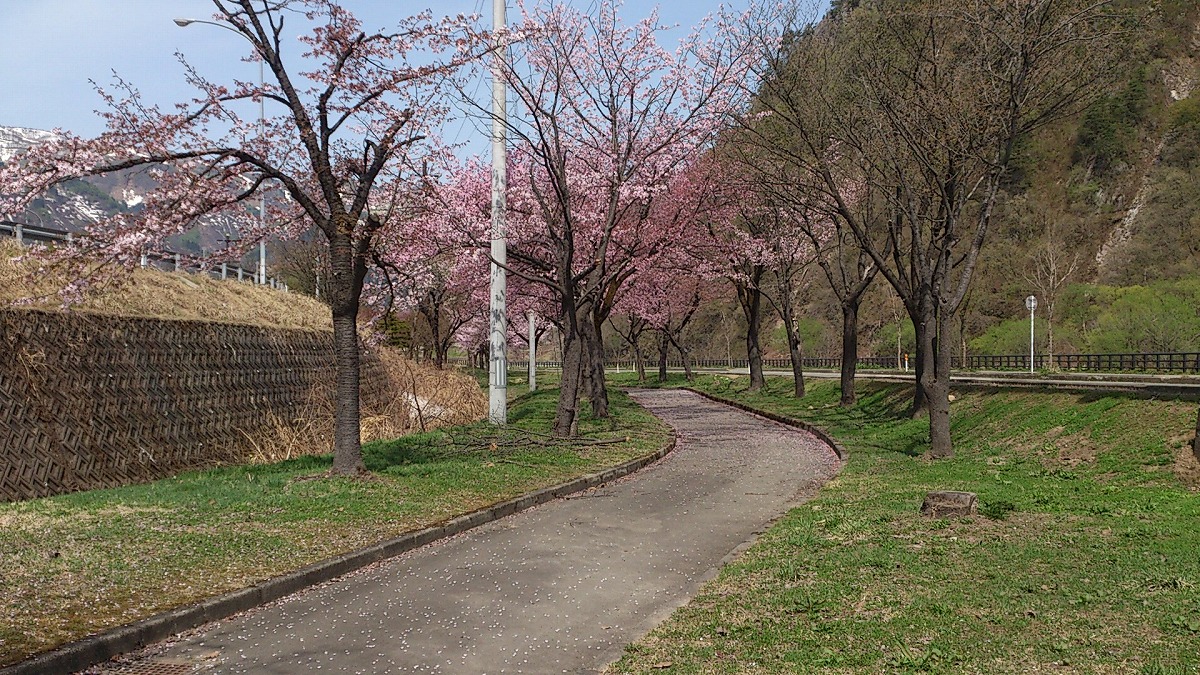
<point>414,397</point>
<point>156,294</point>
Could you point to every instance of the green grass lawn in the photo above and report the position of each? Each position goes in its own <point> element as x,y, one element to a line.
<point>1085,558</point>
<point>80,563</point>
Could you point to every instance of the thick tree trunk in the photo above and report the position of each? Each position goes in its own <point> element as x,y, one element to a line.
<point>685,356</point>
<point>936,382</point>
<point>920,404</point>
<point>347,437</point>
<point>796,354</point>
<point>593,343</point>
<point>754,356</point>
<point>663,346</point>
<point>433,318</point>
<point>750,298</point>
<point>568,391</point>
<point>849,351</point>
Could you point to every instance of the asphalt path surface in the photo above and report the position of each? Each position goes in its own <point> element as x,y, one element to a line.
<point>560,588</point>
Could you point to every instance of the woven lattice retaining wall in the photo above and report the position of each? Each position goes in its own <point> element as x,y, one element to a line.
<point>91,401</point>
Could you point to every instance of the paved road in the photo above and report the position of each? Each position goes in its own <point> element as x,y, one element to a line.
<point>559,588</point>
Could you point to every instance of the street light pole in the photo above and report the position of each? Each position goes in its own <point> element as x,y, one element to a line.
<point>497,337</point>
<point>1031,305</point>
<point>262,132</point>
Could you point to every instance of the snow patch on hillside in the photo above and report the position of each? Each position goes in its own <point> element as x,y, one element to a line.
<point>15,140</point>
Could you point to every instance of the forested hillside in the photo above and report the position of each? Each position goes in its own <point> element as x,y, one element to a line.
<point>1099,217</point>
<point>1107,207</point>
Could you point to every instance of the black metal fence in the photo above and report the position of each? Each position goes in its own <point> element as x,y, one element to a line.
<point>773,364</point>
<point>1163,363</point>
<point>1172,362</point>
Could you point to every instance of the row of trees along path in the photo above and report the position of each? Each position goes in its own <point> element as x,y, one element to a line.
<point>873,143</point>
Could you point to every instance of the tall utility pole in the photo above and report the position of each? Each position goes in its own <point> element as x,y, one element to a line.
<point>498,364</point>
<point>262,196</point>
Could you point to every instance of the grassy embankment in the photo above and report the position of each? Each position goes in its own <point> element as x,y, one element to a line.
<point>80,563</point>
<point>1085,557</point>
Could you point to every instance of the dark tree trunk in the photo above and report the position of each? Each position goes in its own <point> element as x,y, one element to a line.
<point>754,358</point>
<point>432,313</point>
<point>637,326</point>
<point>593,344</point>
<point>572,371</point>
<point>687,365</point>
<point>849,351</point>
<point>639,362</point>
<point>796,354</point>
<point>663,346</point>
<point>347,437</point>
<point>750,298</point>
<point>920,403</point>
<point>684,355</point>
<point>935,381</point>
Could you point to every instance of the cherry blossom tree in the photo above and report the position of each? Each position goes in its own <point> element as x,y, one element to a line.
<point>739,228</point>
<point>431,268</point>
<point>350,122</point>
<point>814,232</point>
<point>662,297</point>
<point>606,117</point>
<point>444,287</point>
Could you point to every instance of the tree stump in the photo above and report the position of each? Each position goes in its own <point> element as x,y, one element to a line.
<point>942,504</point>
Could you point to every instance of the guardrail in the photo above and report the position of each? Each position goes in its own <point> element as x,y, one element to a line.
<point>168,261</point>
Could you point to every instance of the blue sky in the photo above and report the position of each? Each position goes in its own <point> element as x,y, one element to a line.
<point>54,47</point>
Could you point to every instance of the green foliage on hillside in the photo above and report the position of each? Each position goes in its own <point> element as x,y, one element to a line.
<point>1117,189</point>
<point>1113,192</point>
<point>1098,319</point>
<point>1108,133</point>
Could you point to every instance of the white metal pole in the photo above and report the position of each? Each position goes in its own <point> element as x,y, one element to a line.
<point>262,197</point>
<point>1031,310</point>
<point>498,364</point>
<point>532,350</point>
<point>1031,305</point>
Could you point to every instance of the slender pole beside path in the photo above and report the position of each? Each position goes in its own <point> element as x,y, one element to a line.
<point>262,196</point>
<point>532,350</point>
<point>1031,305</point>
<point>498,364</point>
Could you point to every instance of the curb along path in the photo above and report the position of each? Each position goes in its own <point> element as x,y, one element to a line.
<point>561,587</point>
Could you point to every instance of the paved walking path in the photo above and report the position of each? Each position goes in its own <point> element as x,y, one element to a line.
<point>559,588</point>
